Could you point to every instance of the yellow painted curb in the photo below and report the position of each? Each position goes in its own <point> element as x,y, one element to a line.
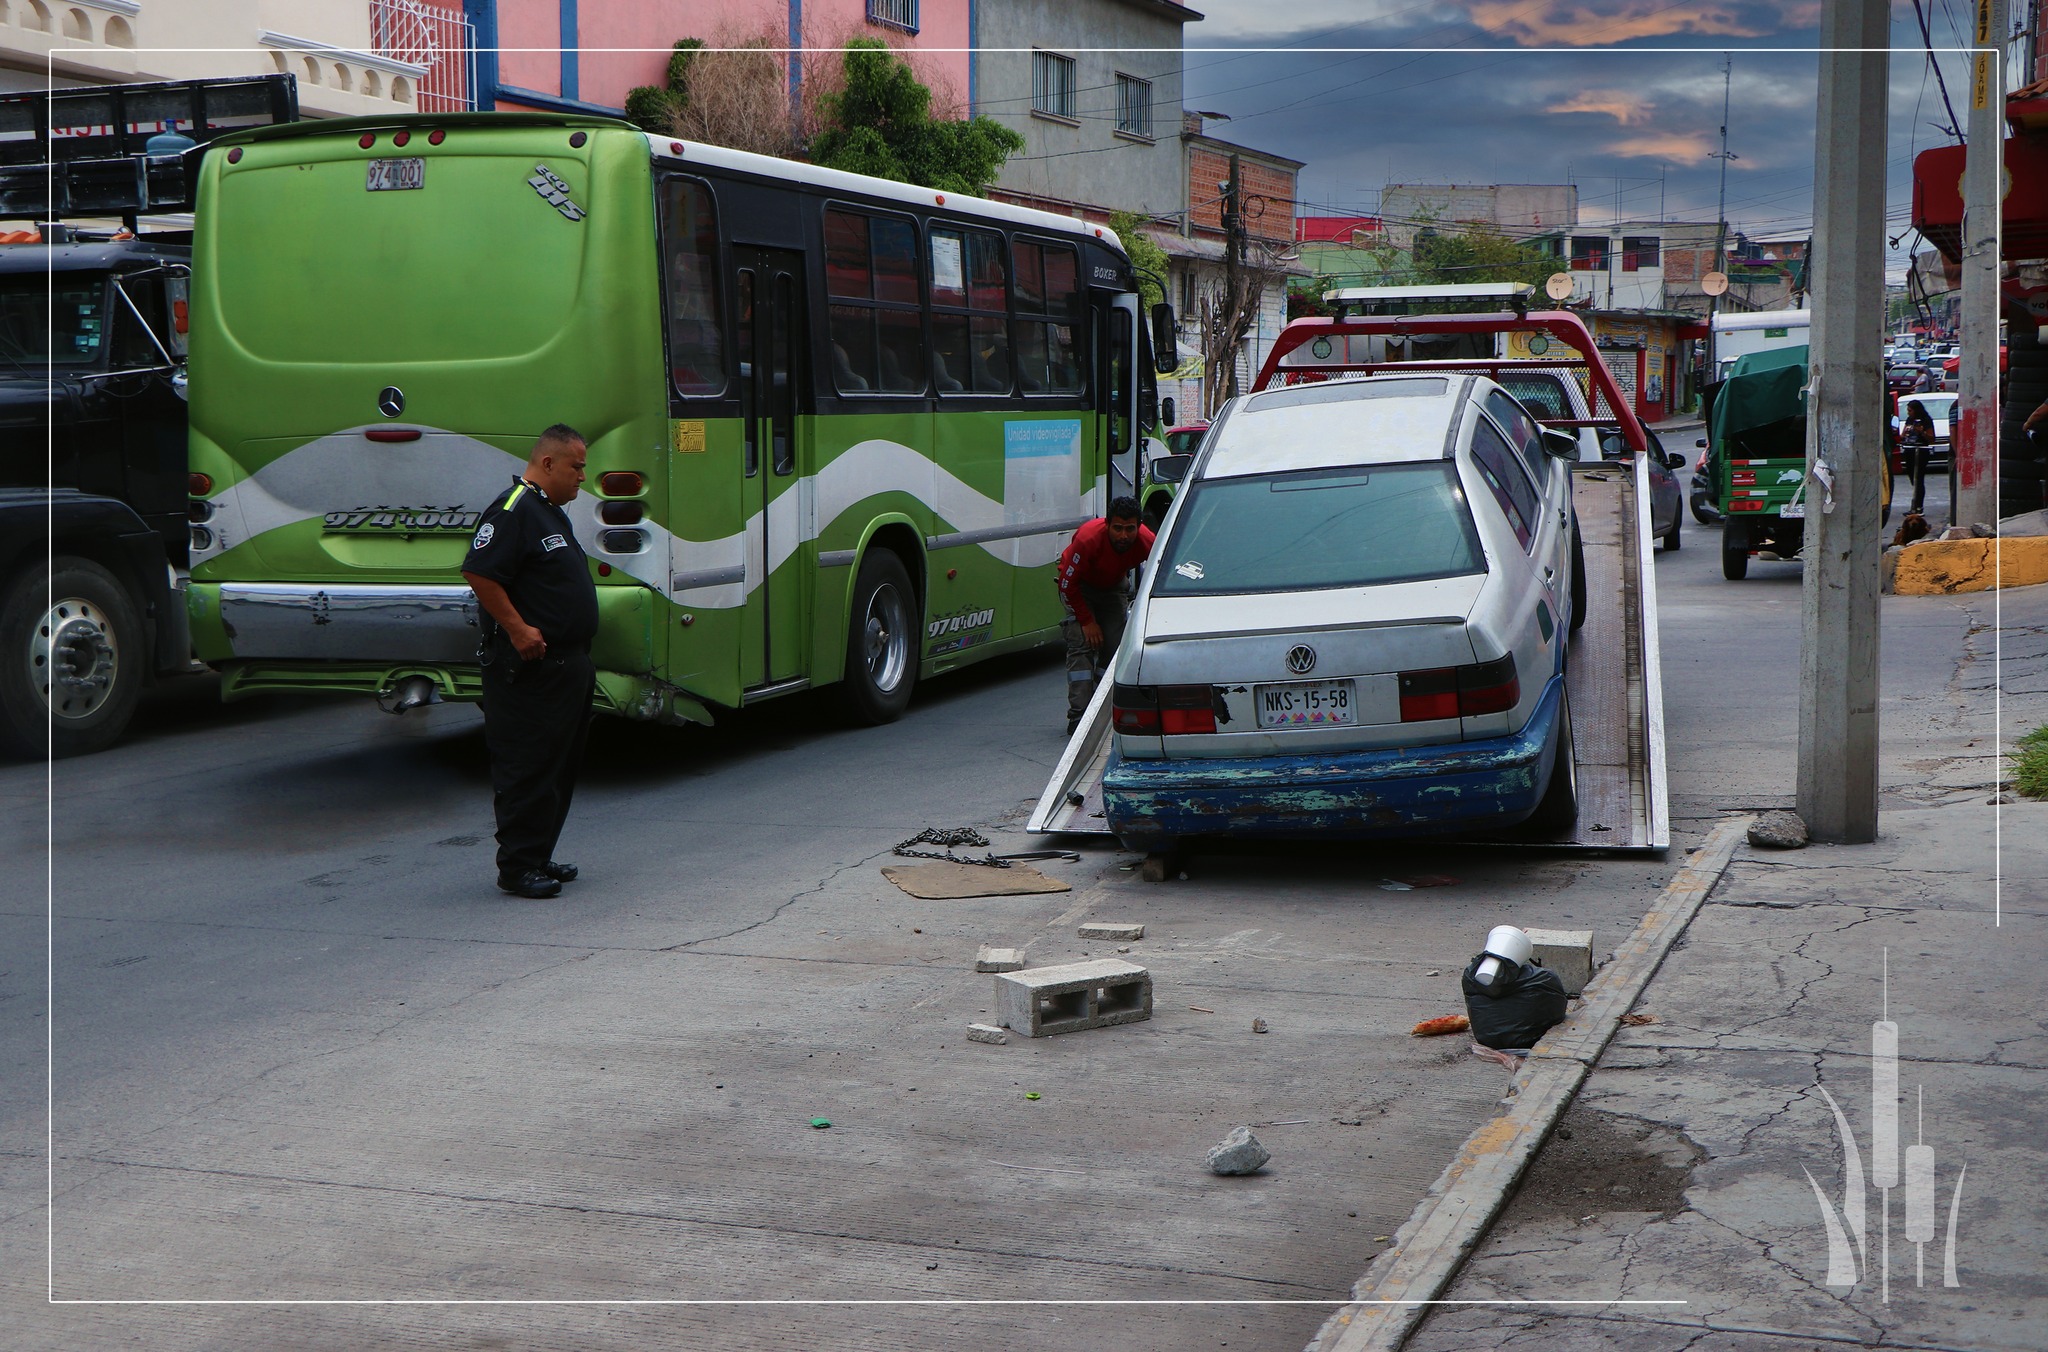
<point>1941,567</point>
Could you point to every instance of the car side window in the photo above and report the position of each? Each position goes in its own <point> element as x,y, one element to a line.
<point>1511,488</point>
<point>1521,430</point>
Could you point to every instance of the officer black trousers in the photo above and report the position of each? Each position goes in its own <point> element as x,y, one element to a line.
<point>536,716</point>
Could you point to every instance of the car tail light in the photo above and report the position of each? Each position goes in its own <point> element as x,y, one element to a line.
<point>1150,710</point>
<point>621,483</point>
<point>1460,692</point>
<point>198,485</point>
<point>620,513</point>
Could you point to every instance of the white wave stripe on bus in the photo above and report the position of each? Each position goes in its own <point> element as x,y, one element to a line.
<point>342,471</point>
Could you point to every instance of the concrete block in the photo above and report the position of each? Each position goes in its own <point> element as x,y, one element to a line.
<point>1074,996</point>
<point>982,1032</point>
<point>999,959</point>
<point>1569,953</point>
<point>1942,567</point>
<point>1111,929</point>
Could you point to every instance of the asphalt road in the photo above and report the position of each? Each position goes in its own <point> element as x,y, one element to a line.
<point>297,1047</point>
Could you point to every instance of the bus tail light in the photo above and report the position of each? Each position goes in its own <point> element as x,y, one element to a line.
<point>198,510</point>
<point>621,483</point>
<point>202,539</point>
<point>1460,692</point>
<point>392,433</point>
<point>198,485</point>
<point>367,139</point>
<point>436,136</point>
<point>622,541</point>
<point>620,513</point>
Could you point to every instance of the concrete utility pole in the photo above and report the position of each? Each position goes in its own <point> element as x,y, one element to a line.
<point>1233,254</point>
<point>1720,264</point>
<point>1976,422</point>
<point>1838,651</point>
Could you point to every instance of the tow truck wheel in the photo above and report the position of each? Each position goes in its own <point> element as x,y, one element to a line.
<point>1734,550</point>
<point>881,641</point>
<point>71,660</point>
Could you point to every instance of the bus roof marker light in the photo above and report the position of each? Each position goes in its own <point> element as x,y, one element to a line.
<point>942,199</point>
<point>401,138</point>
<point>576,139</point>
<point>675,147</point>
<point>436,136</point>
<point>235,155</point>
<point>367,139</point>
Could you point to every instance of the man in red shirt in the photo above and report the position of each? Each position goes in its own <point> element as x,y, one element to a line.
<point>1092,573</point>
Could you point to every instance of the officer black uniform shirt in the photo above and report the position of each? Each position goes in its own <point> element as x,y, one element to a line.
<point>525,545</point>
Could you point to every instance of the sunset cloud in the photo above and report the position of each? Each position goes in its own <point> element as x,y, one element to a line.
<point>1676,147</point>
<point>1568,24</point>
<point>1623,108</point>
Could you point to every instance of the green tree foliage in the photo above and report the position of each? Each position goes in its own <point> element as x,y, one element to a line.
<point>1148,258</point>
<point>1478,254</point>
<point>657,108</point>
<point>881,124</point>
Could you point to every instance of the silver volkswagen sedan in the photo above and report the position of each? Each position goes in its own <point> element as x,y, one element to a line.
<point>1354,624</point>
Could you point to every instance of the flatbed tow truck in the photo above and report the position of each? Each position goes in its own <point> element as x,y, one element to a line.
<point>1612,672</point>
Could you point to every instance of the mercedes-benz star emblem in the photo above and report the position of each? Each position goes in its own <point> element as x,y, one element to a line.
<point>391,401</point>
<point>1301,659</point>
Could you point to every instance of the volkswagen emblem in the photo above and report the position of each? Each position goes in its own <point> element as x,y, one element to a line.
<point>1301,659</point>
<point>391,401</point>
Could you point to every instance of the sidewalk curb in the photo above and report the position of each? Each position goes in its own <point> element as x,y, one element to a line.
<point>1433,1243</point>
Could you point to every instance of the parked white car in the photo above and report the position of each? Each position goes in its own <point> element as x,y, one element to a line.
<point>1354,623</point>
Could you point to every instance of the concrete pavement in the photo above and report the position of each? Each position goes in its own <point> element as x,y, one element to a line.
<point>1682,1170</point>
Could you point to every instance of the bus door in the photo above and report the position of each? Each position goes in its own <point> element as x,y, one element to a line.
<point>1118,366</point>
<point>768,288</point>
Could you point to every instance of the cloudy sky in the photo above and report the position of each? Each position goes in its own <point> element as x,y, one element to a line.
<point>1552,91</point>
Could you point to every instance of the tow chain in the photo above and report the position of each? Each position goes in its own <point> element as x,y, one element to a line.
<point>965,835</point>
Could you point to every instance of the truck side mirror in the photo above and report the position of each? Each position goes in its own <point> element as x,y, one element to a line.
<point>1165,339</point>
<point>1166,417</point>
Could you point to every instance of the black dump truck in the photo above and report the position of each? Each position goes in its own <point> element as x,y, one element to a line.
<point>94,492</point>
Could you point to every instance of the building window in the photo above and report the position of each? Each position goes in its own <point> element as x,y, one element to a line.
<point>1589,253</point>
<point>1052,84</point>
<point>1134,106</point>
<point>1638,251</point>
<point>894,13</point>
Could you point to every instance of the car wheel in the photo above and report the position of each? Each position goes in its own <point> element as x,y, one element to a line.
<point>1704,512</point>
<point>72,660</point>
<point>1578,578</point>
<point>1558,810</point>
<point>881,649</point>
<point>1734,550</point>
<point>1670,537</point>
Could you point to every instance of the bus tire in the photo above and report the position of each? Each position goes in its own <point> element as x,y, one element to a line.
<point>72,619</point>
<point>1734,550</point>
<point>881,641</point>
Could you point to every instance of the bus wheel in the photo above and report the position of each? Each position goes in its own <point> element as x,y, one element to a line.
<point>1734,549</point>
<point>881,649</point>
<point>71,660</point>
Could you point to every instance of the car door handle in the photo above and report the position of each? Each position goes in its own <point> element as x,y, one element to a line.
<point>1549,574</point>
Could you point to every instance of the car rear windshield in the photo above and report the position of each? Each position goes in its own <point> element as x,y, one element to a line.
<point>1349,527</point>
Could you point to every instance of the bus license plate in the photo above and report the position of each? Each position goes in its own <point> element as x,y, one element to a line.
<point>1307,704</point>
<point>396,175</point>
<point>1792,511</point>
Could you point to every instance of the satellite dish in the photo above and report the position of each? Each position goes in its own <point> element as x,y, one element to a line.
<point>1714,283</point>
<point>1558,286</point>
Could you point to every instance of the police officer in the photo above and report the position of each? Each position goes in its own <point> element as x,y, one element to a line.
<point>540,613</point>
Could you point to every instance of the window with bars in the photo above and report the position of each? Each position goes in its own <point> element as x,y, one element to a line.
<point>1589,253</point>
<point>1638,251</point>
<point>1052,84</point>
<point>894,13</point>
<point>1134,106</point>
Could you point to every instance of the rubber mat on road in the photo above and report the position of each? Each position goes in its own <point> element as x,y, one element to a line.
<point>942,881</point>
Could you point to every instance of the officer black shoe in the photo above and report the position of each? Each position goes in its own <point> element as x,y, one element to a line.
<point>1072,723</point>
<point>534,883</point>
<point>561,873</point>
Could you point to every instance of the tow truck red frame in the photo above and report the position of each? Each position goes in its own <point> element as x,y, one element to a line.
<point>1562,325</point>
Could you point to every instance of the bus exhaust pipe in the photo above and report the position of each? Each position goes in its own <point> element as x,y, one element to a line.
<point>411,693</point>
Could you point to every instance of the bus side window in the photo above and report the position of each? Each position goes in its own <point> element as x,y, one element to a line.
<point>875,324</point>
<point>1049,296</point>
<point>689,233</point>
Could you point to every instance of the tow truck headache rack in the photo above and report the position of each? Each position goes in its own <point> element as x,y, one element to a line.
<point>85,152</point>
<point>1612,673</point>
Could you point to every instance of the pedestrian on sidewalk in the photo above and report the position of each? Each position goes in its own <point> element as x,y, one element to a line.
<point>540,614</point>
<point>1916,440</point>
<point>1094,571</point>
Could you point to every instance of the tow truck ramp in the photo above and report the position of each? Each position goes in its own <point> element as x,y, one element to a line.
<point>1612,676</point>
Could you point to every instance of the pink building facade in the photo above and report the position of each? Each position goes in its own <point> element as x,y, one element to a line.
<point>584,55</point>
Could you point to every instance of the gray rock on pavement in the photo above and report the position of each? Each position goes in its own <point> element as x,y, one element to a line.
<point>1778,831</point>
<point>1239,1153</point>
<point>999,959</point>
<point>987,1032</point>
<point>1111,929</point>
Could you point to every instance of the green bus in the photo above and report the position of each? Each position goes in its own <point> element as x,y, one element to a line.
<point>839,427</point>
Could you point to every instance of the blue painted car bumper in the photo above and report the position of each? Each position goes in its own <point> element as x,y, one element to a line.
<point>1360,795</point>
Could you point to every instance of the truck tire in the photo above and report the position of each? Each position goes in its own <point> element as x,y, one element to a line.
<point>1734,550</point>
<point>881,641</point>
<point>1558,810</point>
<point>72,659</point>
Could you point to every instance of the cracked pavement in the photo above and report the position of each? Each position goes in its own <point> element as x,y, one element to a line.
<point>1771,995</point>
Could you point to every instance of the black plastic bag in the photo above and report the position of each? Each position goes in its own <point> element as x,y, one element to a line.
<point>1521,1008</point>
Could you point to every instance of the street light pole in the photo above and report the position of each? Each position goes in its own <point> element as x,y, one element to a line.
<point>1838,651</point>
<point>1976,423</point>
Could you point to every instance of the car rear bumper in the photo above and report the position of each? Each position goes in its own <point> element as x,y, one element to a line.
<point>1360,795</point>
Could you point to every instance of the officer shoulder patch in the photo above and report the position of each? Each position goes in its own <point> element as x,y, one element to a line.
<point>550,543</point>
<point>483,535</point>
